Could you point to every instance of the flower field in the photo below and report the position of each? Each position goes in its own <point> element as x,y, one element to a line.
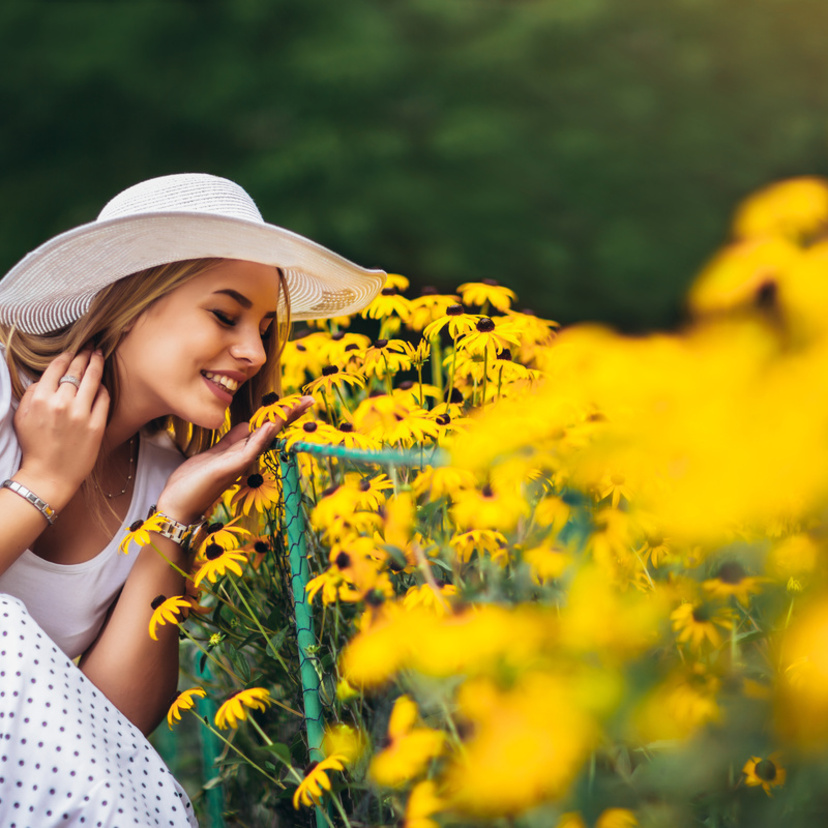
<point>591,591</point>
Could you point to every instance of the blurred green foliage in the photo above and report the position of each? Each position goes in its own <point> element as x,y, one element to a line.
<point>585,152</point>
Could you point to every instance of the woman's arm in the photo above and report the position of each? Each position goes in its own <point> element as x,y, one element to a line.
<point>60,430</point>
<point>137,674</point>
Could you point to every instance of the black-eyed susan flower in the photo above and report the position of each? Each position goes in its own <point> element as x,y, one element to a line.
<point>386,357</point>
<point>139,533</point>
<point>439,601</point>
<point>371,492</point>
<point>410,747</point>
<point>234,710</point>
<point>345,741</point>
<point>732,580</point>
<point>489,541</point>
<point>380,413</point>
<point>346,435</point>
<point>389,303</point>
<point>456,321</point>
<point>697,623</point>
<point>333,377</point>
<point>765,772</point>
<point>428,307</point>
<point>442,481</point>
<point>275,409</point>
<point>312,787</point>
<point>226,535</point>
<point>615,486</point>
<point>488,508</point>
<point>259,491</point>
<point>167,610</point>
<point>219,561</point>
<point>487,292</point>
<point>488,338</point>
<point>185,700</point>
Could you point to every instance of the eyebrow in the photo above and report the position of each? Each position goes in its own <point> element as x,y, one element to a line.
<point>242,300</point>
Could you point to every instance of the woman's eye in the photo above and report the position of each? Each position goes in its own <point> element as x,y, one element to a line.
<point>224,318</point>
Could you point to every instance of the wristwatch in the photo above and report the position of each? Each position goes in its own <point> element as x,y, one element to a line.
<point>173,529</point>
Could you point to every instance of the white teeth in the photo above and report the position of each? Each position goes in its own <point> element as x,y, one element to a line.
<point>225,382</point>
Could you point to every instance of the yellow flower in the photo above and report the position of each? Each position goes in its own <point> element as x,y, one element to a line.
<point>615,486</point>
<point>226,535</point>
<point>333,377</point>
<point>388,356</point>
<point>425,596</point>
<point>489,508</point>
<point>546,562</point>
<point>311,788</point>
<point>765,772</point>
<point>480,540</point>
<point>428,307</point>
<point>410,747</point>
<point>138,533</point>
<point>396,280</point>
<point>488,338</point>
<point>442,481</point>
<point>487,292</point>
<point>218,561</point>
<point>733,580</point>
<point>274,410</point>
<point>167,610</point>
<point>234,710</point>
<point>258,492</point>
<point>456,320</point>
<point>422,804</point>
<point>312,431</point>
<point>185,700</point>
<point>796,208</point>
<point>616,818</point>
<point>696,623</point>
<point>343,740</point>
<point>388,303</point>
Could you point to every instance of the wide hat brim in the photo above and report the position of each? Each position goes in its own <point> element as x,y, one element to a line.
<point>55,283</point>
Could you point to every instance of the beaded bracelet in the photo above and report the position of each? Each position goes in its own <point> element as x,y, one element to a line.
<point>41,505</point>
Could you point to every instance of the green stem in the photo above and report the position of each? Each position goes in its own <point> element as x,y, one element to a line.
<point>261,629</point>
<point>485,375</point>
<point>265,738</point>
<point>205,721</point>
<point>210,655</point>
<point>436,363</point>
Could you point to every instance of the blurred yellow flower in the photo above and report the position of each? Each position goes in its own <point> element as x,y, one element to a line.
<point>410,747</point>
<point>696,623</point>
<point>616,818</point>
<point>487,292</point>
<point>796,209</point>
<point>422,804</point>
<point>344,741</point>
<point>732,580</point>
<point>488,508</point>
<point>765,772</point>
<point>428,307</point>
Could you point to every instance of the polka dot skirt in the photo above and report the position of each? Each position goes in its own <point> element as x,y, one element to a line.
<point>67,756</point>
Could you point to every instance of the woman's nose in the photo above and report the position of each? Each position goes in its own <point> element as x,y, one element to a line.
<point>249,348</point>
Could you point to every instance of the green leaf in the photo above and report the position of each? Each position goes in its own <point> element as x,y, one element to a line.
<point>212,783</point>
<point>280,751</point>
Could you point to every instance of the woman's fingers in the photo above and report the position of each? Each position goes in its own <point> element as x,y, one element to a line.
<point>90,380</point>
<point>56,369</point>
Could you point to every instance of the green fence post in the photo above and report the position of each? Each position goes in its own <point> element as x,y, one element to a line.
<point>303,617</point>
<point>210,749</point>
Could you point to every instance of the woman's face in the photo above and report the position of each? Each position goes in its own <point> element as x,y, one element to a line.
<point>190,351</point>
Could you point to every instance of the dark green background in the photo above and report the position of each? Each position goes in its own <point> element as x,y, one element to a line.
<point>588,153</point>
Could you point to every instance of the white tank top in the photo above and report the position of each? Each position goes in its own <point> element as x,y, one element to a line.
<point>70,601</point>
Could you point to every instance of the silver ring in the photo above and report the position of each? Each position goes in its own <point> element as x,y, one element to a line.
<point>69,378</point>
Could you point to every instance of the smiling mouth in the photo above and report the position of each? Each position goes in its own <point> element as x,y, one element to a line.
<point>229,385</point>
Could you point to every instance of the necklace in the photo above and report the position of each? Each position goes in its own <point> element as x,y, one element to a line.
<point>133,445</point>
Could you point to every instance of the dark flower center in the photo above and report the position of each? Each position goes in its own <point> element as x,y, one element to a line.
<point>505,354</point>
<point>157,601</point>
<point>405,385</point>
<point>352,346</point>
<point>301,348</point>
<point>486,491</point>
<point>485,325</point>
<point>329,370</point>
<point>375,598</point>
<point>343,560</point>
<point>214,527</point>
<point>454,310</point>
<point>329,491</point>
<point>261,547</point>
<point>490,282</point>
<point>213,551</point>
<point>134,527</point>
<point>442,419</point>
<point>765,770</point>
<point>380,343</point>
<point>255,480</point>
<point>270,398</point>
<point>365,485</point>
<point>731,573</point>
<point>701,615</point>
<point>766,294</point>
<point>346,427</point>
<point>456,396</point>
<point>309,428</point>
<point>389,291</point>
<point>338,335</point>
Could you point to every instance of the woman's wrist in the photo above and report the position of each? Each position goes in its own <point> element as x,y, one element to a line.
<point>57,493</point>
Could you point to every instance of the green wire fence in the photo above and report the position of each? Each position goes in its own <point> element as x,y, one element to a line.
<point>295,530</point>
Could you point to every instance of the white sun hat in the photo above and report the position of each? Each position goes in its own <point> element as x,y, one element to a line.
<point>169,219</point>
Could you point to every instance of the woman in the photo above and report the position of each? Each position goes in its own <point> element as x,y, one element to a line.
<point>157,319</point>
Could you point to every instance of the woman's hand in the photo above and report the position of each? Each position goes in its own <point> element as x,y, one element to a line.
<point>60,427</point>
<point>198,482</point>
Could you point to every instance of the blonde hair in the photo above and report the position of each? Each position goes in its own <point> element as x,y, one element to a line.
<point>111,315</point>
